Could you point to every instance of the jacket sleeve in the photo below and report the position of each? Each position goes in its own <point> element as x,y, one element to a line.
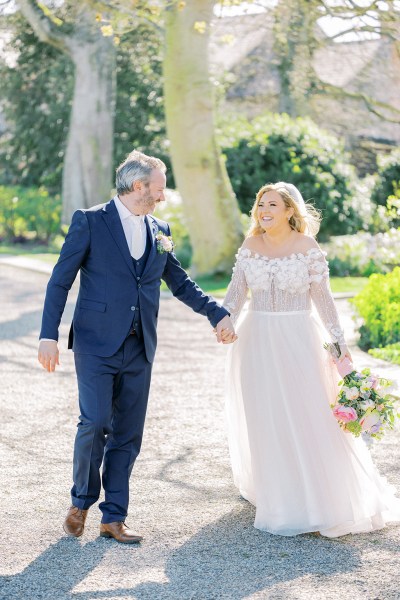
<point>187,291</point>
<point>72,255</point>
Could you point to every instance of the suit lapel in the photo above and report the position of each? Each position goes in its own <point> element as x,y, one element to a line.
<point>152,230</point>
<point>113,222</point>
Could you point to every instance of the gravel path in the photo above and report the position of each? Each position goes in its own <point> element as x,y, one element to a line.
<point>199,541</point>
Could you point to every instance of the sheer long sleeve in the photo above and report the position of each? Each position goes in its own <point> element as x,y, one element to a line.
<point>322,298</point>
<point>237,291</point>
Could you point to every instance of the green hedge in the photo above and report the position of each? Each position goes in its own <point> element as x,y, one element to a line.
<point>390,353</point>
<point>277,148</point>
<point>388,180</point>
<point>28,214</point>
<point>379,306</point>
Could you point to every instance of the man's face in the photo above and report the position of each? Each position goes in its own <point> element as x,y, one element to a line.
<point>153,191</point>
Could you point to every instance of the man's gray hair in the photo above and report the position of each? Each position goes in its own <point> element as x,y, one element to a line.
<point>136,167</point>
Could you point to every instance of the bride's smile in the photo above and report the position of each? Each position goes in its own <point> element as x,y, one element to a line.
<point>272,212</point>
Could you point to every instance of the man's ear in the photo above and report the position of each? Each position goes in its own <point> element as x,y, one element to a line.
<point>137,186</point>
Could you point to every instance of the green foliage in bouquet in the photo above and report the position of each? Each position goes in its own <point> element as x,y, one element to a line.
<point>378,304</point>
<point>275,148</point>
<point>28,214</point>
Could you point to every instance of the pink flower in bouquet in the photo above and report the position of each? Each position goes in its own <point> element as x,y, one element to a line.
<point>345,366</point>
<point>344,413</point>
<point>374,381</point>
<point>370,421</point>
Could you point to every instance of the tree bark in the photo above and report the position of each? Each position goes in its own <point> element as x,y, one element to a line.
<point>209,203</point>
<point>88,157</point>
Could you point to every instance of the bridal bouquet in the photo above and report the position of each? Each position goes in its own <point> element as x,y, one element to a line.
<point>362,406</point>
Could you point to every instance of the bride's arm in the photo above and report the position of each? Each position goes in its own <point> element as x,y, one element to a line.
<point>321,295</point>
<point>237,290</point>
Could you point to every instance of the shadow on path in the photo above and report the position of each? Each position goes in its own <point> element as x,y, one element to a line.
<point>56,572</point>
<point>244,561</point>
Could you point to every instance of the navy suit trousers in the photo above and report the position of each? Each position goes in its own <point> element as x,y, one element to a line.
<point>113,393</point>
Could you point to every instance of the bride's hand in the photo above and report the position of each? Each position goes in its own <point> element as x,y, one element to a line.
<point>345,353</point>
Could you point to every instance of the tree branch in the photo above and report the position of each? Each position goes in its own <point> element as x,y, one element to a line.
<point>42,25</point>
<point>371,104</point>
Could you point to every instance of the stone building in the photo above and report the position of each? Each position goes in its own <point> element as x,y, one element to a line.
<point>351,73</point>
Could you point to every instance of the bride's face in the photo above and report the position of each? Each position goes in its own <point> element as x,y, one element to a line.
<point>272,212</point>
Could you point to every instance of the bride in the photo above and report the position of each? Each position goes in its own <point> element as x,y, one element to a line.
<point>289,456</point>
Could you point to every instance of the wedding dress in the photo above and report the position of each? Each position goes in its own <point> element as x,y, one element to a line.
<point>289,456</point>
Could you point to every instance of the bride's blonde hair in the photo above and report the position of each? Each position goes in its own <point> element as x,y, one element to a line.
<point>307,221</point>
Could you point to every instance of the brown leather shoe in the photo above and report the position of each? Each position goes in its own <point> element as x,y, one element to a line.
<point>74,523</point>
<point>120,532</point>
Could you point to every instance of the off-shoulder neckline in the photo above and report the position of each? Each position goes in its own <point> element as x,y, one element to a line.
<point>252,254</point>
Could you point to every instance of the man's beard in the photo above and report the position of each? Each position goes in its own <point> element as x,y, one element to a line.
<point>147,200</point>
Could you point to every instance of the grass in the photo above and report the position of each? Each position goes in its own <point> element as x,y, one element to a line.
<point>215,285</point>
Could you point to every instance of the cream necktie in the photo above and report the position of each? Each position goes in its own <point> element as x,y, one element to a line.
<point>137,248</point>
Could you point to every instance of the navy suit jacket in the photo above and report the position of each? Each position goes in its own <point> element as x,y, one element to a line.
<point>109,291</point>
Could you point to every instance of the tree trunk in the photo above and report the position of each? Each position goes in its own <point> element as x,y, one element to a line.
<point>210,206</point>
<point>294,44</point>
<point>88,157</point>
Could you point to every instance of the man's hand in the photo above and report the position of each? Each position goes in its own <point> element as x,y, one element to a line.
<point>225,331</point>
<point>48,355</point>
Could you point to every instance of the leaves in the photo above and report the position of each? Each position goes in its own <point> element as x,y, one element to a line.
<point>378,304</point>
<point>275,147</point>
<point>200,26</point>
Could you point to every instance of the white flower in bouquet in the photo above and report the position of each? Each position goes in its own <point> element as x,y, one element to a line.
<point>366,404</point>
<point>351,393</point>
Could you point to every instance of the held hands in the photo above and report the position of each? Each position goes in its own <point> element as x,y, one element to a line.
<point>48,355</point>
<point>225,331</point>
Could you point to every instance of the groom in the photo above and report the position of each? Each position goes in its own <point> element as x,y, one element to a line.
<point>122,252</point>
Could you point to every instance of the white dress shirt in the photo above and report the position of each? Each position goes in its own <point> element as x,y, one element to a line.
<point>134,228</point>
<point>135,233</point>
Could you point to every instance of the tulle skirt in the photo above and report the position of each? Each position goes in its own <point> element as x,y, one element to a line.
<point>289,456</point>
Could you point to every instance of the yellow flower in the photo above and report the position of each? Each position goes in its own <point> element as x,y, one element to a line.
<point>117,40</point>
<point>98,17</point>
<point>107,30</point>
<point>200,26</point>
<point>181,5</point>
<point>228,38</point>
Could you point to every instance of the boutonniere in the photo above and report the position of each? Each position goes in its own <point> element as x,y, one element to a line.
<point>164,243</point>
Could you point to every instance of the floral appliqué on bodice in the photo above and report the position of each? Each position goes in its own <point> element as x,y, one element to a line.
<point>286,284</point>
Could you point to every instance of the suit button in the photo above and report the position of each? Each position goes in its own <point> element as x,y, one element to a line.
<point>133,307</point>
<point>139,286</point>
<point>138,278</point>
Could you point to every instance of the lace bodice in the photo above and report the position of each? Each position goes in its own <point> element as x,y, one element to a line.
<point>284,284</point>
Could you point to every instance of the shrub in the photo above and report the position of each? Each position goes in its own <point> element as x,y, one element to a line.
<point>362,254</point>
<point>28,213</point>
<point>277,148</point>
<point>388,180</point>
<point>390,353</point>
<point>379,306</point>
